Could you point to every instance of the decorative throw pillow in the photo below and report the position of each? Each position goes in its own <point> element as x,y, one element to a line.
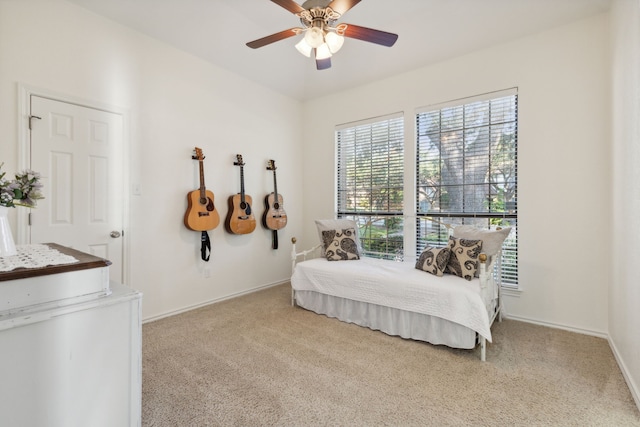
<point>434,260</point>
<point>491,239</point>
<point>340,244</point>
<point>337,224</point>
<point>463,261</point>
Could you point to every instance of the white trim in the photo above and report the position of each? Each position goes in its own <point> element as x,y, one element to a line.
<point>371,120</point>
<point>633,387</point>
<point>410,242</point>
<point>468,100</point>
<point>598,334</point>
<point>24,158</point>
<point>212,301</point>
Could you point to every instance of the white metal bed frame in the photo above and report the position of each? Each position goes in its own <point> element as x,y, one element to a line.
<point>484,274</point>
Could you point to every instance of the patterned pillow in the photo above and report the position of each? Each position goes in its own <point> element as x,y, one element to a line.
<point>463,261</point>
<point>340,244</point>
<point>434,260</point>
<point>336,224</point>
<point>491,239</point>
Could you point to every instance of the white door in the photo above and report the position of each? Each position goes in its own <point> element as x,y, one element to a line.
<point>79,153</point>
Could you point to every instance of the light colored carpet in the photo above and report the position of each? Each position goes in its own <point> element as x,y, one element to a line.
<point>257,361</point>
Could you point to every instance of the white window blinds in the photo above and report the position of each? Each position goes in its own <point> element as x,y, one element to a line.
<point>466,169</point>
<point>370,187</point>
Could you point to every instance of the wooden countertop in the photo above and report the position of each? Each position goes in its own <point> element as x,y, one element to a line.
<point>85,262</point>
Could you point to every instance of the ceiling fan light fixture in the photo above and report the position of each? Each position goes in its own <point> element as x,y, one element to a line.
<point>304,48</point>
<point>321,35</point>
<point>314,37</point>
<point>334,41</point>
<point>323,51</point>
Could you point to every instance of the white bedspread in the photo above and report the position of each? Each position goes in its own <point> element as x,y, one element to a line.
<point>399,285</point>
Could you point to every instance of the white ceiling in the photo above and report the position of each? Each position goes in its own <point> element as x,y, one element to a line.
<point>429,31</point>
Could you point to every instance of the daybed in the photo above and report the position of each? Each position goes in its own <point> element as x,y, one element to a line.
<point>401,298</point>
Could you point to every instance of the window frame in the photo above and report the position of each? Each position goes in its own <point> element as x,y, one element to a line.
<point>412,216</point>
<point>373,221</point>
<point>429,231</point>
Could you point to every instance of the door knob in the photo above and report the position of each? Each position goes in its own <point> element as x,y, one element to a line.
<point>114,234</point>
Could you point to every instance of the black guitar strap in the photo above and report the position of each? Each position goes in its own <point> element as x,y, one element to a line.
<point>274,239</point>
<point>206,246</point>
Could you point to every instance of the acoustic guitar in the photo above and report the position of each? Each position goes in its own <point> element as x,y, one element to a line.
<point>240,219</point>
<point>201,214</point>
<point>274,217</point>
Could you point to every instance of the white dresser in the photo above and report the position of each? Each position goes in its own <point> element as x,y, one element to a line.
<point>70,346</point>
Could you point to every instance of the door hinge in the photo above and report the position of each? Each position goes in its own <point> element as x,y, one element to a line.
<point>31,121</point>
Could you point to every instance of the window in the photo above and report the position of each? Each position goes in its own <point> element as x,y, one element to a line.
<point>370,169</point>
<point>466,170</point>
<point>466,173</point>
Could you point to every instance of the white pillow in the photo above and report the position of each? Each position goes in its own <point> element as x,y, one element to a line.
<point>337,224</point>
<point>491,239</point>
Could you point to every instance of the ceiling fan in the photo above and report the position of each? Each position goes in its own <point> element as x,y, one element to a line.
<point>322,36</point>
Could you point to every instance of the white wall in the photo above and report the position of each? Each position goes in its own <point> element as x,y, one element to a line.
<point>564,170</point>
<point>175,102</point>
<point>624,290</point>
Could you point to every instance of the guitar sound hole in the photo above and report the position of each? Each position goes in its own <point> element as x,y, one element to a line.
<point>276,206</point>
<point>243,205</point>
<point>203,201</point>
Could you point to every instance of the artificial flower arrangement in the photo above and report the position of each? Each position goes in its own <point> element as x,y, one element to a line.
<point>24,190</point>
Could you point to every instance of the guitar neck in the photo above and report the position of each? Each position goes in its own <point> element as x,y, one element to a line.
<point>242,184</point>
<point>203,194</point>
<point>275,186</point>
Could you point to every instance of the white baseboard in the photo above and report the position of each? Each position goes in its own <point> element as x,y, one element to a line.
<point>598,334</point>
<point>212,301</point>
<point>633,388</point>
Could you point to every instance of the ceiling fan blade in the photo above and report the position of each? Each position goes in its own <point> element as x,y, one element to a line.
<point>341,6</point>
<point>290,5</point>
<point>323,64</point>
<point>369,35</point>
<point>274,38</point>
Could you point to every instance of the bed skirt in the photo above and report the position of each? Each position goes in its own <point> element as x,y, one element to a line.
<point>391,321</point>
